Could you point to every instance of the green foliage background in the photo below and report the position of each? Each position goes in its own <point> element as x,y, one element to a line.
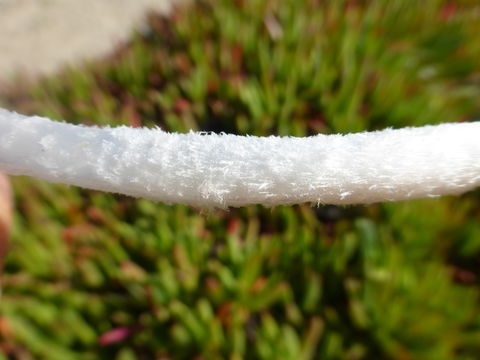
<point>387,281</point>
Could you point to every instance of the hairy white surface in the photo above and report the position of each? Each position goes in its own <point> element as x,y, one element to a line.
<point>220,170</point>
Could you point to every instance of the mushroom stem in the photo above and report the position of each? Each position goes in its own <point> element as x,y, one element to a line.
<point>221,170</point>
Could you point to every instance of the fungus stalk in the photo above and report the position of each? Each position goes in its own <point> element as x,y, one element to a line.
<point>221,170</point>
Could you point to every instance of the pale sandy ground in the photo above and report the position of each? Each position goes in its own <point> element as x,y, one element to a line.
<point>38,36</point>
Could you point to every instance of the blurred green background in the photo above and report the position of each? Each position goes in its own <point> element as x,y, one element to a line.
<point>99,276</point>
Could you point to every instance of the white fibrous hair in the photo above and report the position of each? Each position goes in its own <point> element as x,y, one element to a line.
<point>222,170</point>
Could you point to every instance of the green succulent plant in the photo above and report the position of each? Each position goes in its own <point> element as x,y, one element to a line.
<point>99,276</point>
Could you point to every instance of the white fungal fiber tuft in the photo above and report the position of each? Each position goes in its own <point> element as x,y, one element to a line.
<point>220,170</point>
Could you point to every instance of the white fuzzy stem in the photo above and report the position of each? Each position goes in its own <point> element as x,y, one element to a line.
<point>220,170</point>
